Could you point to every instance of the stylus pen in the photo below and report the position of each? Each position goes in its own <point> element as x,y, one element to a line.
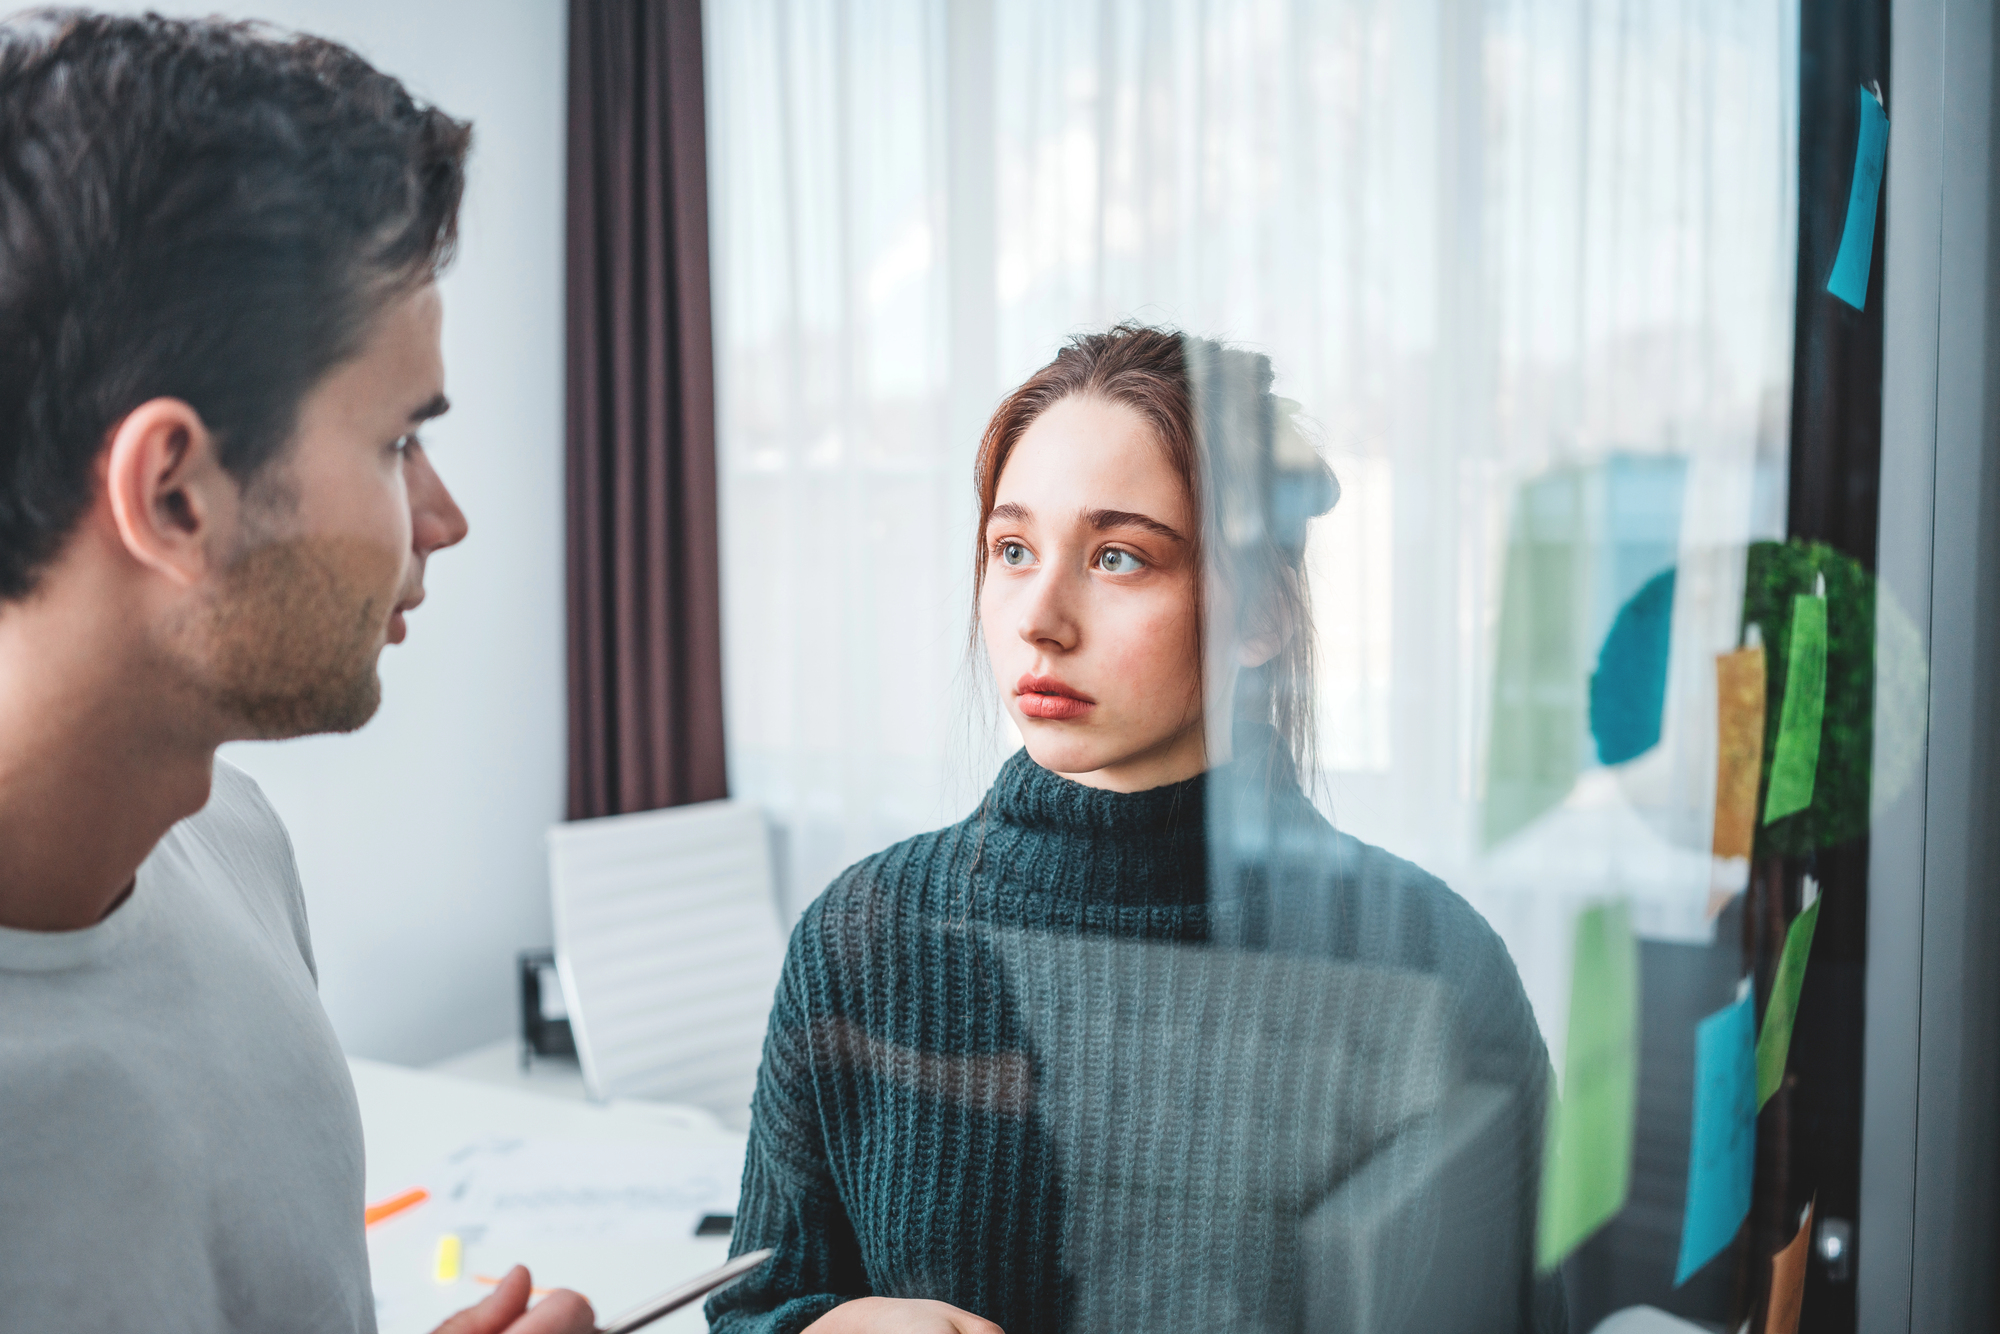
<point>693,1290</point>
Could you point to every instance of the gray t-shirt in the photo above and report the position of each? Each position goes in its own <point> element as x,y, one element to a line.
<point>180,1148</point>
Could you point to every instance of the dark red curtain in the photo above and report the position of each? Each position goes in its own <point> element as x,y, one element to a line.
<point>645,615</point>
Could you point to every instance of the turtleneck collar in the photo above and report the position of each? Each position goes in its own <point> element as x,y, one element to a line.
<point>1049,838</point>
<point>1044,834</point>
<point>1031,797</point>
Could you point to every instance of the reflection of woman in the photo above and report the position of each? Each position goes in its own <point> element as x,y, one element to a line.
<point>1080,1060</point>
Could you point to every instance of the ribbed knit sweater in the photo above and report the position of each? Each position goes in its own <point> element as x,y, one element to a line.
<point>1091,1060</point>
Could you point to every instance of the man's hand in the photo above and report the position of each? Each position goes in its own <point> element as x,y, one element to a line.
<point>561,1312</point>
<point>885,1315</point>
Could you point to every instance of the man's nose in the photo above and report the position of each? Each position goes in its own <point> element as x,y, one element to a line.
<point>436,521</point>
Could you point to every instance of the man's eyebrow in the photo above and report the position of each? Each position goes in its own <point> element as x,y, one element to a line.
<point>1102,520</point>
<point>437,407</point>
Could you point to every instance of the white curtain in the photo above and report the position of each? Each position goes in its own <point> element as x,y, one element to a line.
<point>1481,241</point>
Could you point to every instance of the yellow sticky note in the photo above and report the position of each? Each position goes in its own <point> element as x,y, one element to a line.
<point>445,1267</point>
<point>1739,752</point>
<point>1739,763</point>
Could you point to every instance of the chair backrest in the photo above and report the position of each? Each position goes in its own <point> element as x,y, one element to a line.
<point>669,947</point>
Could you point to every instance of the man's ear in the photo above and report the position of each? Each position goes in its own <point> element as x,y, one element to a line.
<point>172,502</point>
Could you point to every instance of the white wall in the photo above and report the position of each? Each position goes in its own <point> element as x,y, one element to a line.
<point>420,837</point>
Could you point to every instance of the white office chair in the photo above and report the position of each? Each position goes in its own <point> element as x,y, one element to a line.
<point>668,944</point>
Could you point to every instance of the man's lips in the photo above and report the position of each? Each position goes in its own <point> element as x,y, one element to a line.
<point>398,627</point>
<point>1047,698</point>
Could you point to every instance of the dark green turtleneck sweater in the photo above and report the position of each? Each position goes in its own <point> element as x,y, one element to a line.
<point>1186,1058</point>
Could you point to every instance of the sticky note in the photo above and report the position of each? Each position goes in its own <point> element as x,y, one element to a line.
<point>1628,691</point>
<point>1723,1157</point>
<point>444,1267</point>
<point>1788,1281</point>
<point>1587,1161</point>
<point>1849,280</point>
<point>1796,756</point>
<point>1739,764</point>
<point>1775,1040</point>
<point>1539,722</point>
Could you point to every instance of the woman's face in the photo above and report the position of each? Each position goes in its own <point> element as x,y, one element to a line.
<point>1089,603</point>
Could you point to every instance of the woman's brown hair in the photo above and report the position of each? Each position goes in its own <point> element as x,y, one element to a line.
<point>1253,481</point>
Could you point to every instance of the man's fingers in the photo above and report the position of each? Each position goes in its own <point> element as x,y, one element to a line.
<point>967,1323</point>
<point>497,1312</point>
<point>561,1312</point>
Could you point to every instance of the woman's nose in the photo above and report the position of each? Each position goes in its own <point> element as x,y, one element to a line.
<point>1049,616</point>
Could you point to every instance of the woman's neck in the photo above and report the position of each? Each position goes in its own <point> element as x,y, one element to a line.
<point>1173,759</point>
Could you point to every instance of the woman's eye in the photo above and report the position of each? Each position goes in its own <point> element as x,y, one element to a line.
<point>1013,553</point>
<point>1115,561</point>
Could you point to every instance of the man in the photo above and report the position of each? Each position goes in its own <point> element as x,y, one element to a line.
<point>218,337</point>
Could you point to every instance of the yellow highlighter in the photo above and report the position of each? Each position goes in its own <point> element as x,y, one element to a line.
<point>445,1267</point>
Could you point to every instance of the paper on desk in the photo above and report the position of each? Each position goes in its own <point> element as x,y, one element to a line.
<point>510,1197</point>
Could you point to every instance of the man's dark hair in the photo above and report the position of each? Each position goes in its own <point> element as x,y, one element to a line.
<point>201,210</point>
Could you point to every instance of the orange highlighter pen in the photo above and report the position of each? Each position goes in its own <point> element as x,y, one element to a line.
<point>394,1205</point>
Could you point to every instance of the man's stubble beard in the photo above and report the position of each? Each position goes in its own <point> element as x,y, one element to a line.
<point>293,633</point>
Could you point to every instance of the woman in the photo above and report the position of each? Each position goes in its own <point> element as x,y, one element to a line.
<point>1144,1041</point>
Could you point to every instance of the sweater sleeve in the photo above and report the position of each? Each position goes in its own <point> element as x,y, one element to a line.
<point>790,1202</point>
<point>1504,1046</point>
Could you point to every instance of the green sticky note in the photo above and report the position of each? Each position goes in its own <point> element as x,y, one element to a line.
<point>1774,1042</point>
<point>1797,754</point>
<point>1541,662</point>
<point>1587,1161</point>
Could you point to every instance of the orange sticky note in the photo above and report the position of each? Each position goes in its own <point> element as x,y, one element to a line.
<point>1788,1282</point>
<point>1739,759</point>
<point>394,1205</point>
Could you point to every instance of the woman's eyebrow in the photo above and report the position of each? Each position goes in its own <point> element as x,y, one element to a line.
<point>1106,519</point>
<point>1012,513</point>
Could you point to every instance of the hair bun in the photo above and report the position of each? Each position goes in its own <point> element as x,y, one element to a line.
<point>1302,486</point>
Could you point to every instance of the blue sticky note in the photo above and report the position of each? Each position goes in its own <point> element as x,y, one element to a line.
<point>1723,1157</point>
<point>1628,691</point>
<point>1857,239</point>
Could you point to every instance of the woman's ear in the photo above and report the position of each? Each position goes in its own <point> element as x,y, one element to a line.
<point>172,503</point>
<point>1259,649</point>
<point>1266,632</point>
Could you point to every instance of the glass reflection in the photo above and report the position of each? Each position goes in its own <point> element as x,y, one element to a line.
<point>1144,1040</point>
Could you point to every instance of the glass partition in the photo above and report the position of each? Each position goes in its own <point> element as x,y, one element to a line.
<point>1544,700</point>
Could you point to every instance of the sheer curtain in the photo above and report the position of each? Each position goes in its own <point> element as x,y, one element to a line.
<point>1493,249</point>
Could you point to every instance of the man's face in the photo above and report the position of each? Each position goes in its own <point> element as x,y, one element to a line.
<point>335,535</point>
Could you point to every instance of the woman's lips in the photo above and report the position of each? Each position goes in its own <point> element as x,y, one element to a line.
<point>1047,698</point>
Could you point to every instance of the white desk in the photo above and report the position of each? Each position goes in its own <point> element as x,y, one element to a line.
<point>499,1062</point>
<point>413,1118</point>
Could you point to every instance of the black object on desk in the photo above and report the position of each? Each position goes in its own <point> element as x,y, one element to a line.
<point>545,1027</point>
